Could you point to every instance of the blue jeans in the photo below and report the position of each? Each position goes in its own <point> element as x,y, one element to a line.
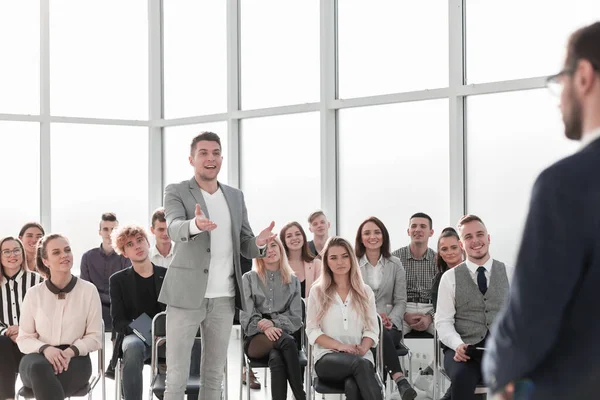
<point>135,353</point>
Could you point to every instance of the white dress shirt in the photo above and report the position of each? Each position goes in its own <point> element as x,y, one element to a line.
<point>341,322</point>
<point>446,306</point>
<point>374,273</point>
<point>158,259</point>
<point>589,137</point>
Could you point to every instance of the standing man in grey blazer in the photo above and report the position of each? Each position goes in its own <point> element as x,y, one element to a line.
<point>209,224</point>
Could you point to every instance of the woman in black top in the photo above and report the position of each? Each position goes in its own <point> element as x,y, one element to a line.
<point>14,282</point>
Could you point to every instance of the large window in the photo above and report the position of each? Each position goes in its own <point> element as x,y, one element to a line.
<point>97,169</point>
<point>20,52</point>
<point>503,42</point>
<point>280,169</point>
<point>279,52</point>
<point>99,58</point>
<point>195,48</point>
<point>393,162</point>
<point>388,46</point>
<point>20,166</point>
<point>177,141</point>
<point>506,151</point>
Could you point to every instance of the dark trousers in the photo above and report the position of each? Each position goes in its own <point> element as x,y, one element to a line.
<point>357,373</point>
<point>9,367</point>
<point>464,375</point>
<point>284,365</point>
<point>391,338</point>
<point>37,374</point>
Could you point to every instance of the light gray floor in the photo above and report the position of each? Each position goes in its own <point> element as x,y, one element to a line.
<point>233,374</point>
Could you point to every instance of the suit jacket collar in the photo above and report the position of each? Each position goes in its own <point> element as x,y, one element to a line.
<point>197,193</point>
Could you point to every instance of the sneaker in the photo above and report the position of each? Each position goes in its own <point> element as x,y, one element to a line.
<point>405,390</point>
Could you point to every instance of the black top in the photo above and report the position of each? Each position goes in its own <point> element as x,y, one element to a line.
<point>435,288</point>
<point>303,288</point>
<point>147,294</point>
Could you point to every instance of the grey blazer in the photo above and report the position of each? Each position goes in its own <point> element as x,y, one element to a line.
<point>392,290</point>
<point>185,282</point>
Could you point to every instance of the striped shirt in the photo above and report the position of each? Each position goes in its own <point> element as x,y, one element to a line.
<point>419,274</point>
<point>13,292</point>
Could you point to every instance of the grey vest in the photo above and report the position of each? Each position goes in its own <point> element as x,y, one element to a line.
<point>476,312</point>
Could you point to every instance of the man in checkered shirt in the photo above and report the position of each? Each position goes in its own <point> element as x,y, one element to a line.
<point>419,262</point>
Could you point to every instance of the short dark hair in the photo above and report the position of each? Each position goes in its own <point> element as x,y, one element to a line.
<point>584,45</point>
<point>209,136</point>
<point>158,215</point>
<point>359,247</point>
<point>468,218</point>
<point>31,225</point>
<point>422,215</point>
<point>109,217</point>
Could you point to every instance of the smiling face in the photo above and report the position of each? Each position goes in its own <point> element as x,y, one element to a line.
<point>160,232</point>
<point>293,238</point>
<point>419,230</point>
<point>59,258</point>
<point>372,237</point>
<point>30,239</point>
<point>450,251</point>
<point>11,257</point>
<point>475,240</point>
<point>273,253</point>
<point>207,160</point>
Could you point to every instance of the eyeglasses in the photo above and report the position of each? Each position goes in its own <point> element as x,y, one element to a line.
<point>554,82</point>
<point>16,252</point>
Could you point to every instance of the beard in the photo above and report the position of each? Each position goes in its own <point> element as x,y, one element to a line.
<point>573,122</point>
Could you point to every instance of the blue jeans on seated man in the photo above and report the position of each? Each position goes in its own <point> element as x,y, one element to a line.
<point>135,353</point>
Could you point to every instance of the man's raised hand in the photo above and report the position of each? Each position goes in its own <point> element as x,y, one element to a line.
<point>203,223</point>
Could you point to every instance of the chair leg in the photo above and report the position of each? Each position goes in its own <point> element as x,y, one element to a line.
<point>248,380</point>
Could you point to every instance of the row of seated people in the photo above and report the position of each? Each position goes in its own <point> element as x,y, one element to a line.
<point>373,252</point>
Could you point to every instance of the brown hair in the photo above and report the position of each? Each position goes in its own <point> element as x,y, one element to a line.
<point>122,234</point>
<point>314,215</point>
<point>307,256</point>
<point>385,246</point>
<point>441,265</point>
<point>109,217</point>
<point>584,45</point>
<point>468,218</point>
<point>158,215</point>
<point>324,286</point>
<point>31,225</point>
<point>209,136</point>
<point>23,263</point>
<point>42,254</point>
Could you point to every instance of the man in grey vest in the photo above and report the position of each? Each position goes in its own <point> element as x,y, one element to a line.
<point>470,296</point>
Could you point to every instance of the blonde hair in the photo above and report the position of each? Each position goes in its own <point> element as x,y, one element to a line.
<point>325,287</point>
<point>125,232</point>
<point>284,265</point>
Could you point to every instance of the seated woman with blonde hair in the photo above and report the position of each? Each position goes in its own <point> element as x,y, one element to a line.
<point>341,323</point>
<point>61,323</point>
<point>273,314</point>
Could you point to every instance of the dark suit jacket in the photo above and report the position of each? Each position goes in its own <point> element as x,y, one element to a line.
<point>546,338</point>
<point>125,305</point>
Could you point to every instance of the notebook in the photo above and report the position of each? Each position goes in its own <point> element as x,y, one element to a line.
<point>142,327</point>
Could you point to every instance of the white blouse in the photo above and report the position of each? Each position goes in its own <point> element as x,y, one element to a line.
<point>341,322</point>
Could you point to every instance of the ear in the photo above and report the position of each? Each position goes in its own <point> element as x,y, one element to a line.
<point>489,239</point>
<point>191,159</point>
<point>431,233</point>
<point>310,229</point>
<point>461,244</point>
<point>328,224</point>
<point>408,231</point>
<point>152,229</point>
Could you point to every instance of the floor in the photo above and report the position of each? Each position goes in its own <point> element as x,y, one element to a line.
<point>418,347</point>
